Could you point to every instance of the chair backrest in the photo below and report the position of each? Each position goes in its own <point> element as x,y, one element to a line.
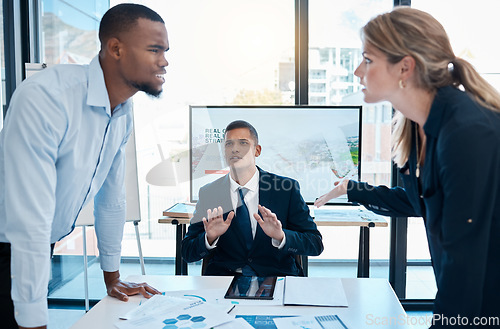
<point>300,263</point>
<point>204,263</point>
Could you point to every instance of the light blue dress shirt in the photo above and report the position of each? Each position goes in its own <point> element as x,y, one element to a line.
<point>60,147</point>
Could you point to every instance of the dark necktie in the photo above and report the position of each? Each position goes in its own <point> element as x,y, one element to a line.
<point>243,219</point>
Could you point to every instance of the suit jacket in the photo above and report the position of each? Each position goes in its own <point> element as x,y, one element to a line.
<point>279,194</point>
<point>459,198</point>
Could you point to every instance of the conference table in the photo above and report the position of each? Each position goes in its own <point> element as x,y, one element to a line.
<point>371,302</point>
<point>338,215</point>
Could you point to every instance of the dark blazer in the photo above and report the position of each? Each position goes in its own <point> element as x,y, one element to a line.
<point>459,198</point>
<point>279,194</point>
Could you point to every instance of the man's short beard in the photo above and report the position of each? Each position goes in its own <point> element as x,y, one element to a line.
<point>147,89</point>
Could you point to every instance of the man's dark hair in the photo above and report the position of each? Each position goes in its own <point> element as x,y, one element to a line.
<point>243,124</point>
<point>122,18</point>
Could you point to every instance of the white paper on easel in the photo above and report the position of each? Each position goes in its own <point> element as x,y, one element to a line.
<point>314,292</point>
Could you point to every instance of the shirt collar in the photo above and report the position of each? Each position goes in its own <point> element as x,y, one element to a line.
<point>252,184</point>
<point>98,94</point>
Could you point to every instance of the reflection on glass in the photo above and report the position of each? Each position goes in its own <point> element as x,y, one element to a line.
<point>342,169</point>
<point>69,30</point>
<point>221,52</point>
<point>334,54</point>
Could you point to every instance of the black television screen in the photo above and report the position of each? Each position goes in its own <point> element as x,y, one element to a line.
<point>316,145</point>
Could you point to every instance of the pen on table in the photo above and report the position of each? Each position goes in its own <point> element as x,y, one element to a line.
<point>232,308</point>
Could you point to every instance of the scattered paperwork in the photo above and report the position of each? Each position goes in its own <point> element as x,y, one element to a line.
<point>207,308</point>
<point>160,311</point>
<point>156,304</point>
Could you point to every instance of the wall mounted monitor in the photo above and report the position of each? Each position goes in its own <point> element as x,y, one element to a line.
<point>316,145</point>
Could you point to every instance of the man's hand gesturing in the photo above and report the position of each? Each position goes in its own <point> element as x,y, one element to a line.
<point>215,225</point>
<point>270,223</point>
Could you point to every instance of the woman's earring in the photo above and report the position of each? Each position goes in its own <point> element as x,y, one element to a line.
<point>402,85</point>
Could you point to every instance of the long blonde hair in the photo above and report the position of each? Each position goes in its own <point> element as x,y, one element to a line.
<point>407,31</point>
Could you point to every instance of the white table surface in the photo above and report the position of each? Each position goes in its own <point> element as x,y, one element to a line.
<point>372,302</point>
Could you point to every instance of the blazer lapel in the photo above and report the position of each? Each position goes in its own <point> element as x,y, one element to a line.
<point>225,196</point>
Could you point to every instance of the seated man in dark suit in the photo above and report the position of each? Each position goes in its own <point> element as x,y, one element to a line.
<point>256,222</point>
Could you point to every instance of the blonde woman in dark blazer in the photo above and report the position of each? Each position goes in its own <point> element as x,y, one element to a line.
<point>446,141</point>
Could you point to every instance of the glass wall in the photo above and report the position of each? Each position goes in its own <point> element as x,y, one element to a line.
<point>470,41</point>
<point>334,54</point>
<point>242,52</point>
<point>221,52</point>
<point>69,30</point>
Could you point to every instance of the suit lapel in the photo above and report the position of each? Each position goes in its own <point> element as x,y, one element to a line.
<point>227,204</point>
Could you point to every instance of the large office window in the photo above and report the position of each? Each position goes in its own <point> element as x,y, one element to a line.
<point>334,54</point>
<point>242,52</point>
<point>69,30</point>
<point>221,52</point>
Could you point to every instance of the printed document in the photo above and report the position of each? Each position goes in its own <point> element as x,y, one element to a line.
<point>314,291</point>
<point>159,313</point>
